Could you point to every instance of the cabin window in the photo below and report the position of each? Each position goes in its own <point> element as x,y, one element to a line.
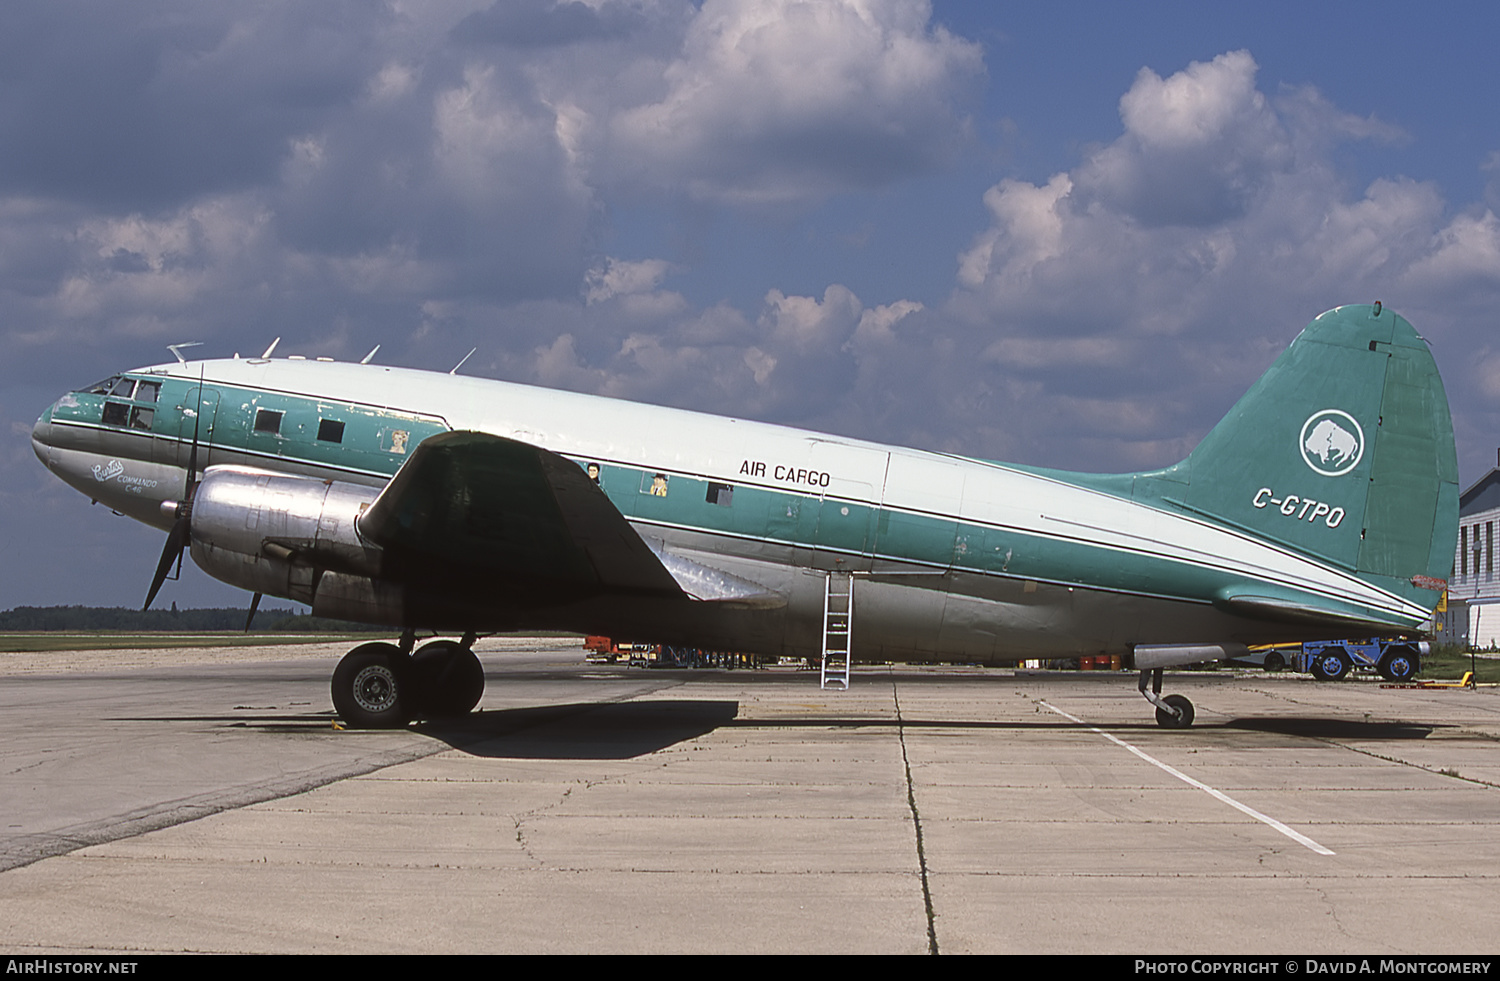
<point>330,431</point>
<point>268,421</point>
<point>141,418</point>
<point>116,413</point>
<point>720,494</point>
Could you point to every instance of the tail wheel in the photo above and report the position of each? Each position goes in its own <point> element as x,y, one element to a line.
<point>1182,720</point>
<point>371,688</point>
<point>448,679</point>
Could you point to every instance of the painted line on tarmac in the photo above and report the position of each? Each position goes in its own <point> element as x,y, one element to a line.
<point>1296,836</point>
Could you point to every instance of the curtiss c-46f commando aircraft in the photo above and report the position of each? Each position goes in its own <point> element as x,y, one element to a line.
<point>1324,504</point>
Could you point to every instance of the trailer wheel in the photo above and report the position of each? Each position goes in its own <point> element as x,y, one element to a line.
<point>1274,661</point>
<point>1399,664</point>
<point>1331,665</point>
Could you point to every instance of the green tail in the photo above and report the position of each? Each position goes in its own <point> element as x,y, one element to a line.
<point>1343,451</point>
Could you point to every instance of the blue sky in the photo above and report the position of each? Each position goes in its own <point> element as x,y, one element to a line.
<point>1064,234</point>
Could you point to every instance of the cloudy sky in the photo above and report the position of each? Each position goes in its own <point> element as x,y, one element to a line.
<point>1064,234</point>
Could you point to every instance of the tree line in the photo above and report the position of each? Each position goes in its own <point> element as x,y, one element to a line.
<point>267,620</point>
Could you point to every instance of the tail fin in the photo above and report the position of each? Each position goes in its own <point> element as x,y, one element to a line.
<point>1343,451</point>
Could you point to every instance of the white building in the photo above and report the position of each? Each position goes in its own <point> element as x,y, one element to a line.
<point>1474,581</point>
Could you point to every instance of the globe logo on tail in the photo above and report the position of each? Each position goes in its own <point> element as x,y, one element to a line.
<point>1332,443</point>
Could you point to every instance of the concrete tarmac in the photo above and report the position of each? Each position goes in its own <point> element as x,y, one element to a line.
<point>202,801</point>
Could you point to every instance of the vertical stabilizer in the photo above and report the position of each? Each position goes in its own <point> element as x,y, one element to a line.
<point>1342,451</point>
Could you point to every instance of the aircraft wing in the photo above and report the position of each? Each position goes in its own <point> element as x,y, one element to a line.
<point>470,500</point>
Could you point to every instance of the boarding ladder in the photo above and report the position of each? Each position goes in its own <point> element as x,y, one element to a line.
<point>838,620</point>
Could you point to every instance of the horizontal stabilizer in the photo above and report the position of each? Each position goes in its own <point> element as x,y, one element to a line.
<point>1286,611</point>
<point>1151,656</point>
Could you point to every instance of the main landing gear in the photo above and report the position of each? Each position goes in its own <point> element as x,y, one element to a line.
<point>1173,711</point>
<point>385,686</point>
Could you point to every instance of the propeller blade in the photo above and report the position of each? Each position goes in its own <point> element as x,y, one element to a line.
<point>171,553</point>
<point>254,605</point>
<point>192,470</point>
<point>178,536</point>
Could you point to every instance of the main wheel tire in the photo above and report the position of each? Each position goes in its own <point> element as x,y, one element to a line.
<point>1399,664</point>
<point>448,679</point>
<point>1168,720</point>
<point>370,687</point>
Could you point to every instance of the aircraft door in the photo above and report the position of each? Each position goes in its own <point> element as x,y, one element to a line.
<point>844,529</point>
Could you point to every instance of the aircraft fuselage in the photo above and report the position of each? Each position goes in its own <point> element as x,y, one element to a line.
<point>954,558</point>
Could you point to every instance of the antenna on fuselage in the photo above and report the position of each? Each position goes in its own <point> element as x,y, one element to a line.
<point>176,349</point>
<point>465,358</point>
<point>366,358</point>
<point>271,348</point>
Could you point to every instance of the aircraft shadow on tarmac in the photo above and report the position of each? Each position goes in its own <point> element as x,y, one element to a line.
<point>574,730</point>
<point>624,730</point>
<point>1314,728</point>
<point>583,731</point>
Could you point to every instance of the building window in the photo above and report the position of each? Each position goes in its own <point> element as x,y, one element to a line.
<point>1463,551</point>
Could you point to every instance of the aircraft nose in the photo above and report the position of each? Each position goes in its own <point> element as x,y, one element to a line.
<point>41,439</point>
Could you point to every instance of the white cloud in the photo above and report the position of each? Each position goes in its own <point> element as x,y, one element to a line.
<point>617,277</point>
<point>1148,286</point>
<point>1197,147</point>
<point>771,101</point>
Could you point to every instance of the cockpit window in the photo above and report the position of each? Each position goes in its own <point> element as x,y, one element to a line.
<point>121,387</point>
<point>101,388</point>
<point>115,413</point>
<point>142,418</point>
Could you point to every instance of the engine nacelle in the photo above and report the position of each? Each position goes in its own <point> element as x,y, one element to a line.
<point>293,537</point>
